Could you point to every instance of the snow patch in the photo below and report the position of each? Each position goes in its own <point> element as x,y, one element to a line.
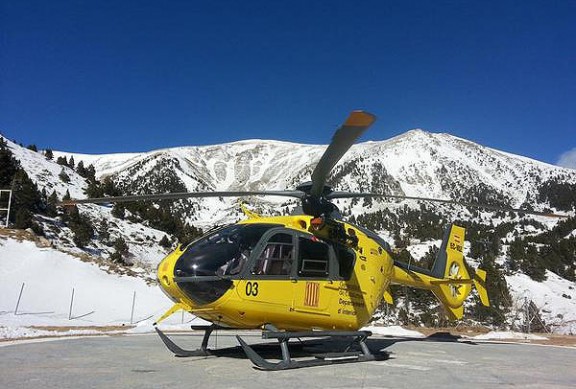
<point>493,335</point>
<point>395,331</point>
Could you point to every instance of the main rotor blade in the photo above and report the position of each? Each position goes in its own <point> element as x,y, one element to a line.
<point>344,195</point>
<point>181,195</point>
<point>343,139</point>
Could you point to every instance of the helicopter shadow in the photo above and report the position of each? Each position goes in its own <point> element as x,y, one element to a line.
<point>382,343</point>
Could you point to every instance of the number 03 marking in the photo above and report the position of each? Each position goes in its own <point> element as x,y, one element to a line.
<point>252,289</point>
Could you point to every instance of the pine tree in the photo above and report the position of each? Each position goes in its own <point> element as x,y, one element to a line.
<point>164,242</point>
<point>561,195</point>
<point>121,249</point>
<point>119,211</point>
<point>103,232</point>
<point>64,176</point>
<point>120,245</point>
<point>532,265</point>
<point>23,219</point>
<point>516,253</point>
<point>49,154</point>
<point>8,165</point>
<point>110,188</point>
<point>25,193</point>
<point>91,173</point>
<point>51,204</point>
<point>80,226</point>
<point>71,162</point>
<point>81,170</point>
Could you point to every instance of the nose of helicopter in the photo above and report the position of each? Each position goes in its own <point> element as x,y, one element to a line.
<point>200,273</point>
<point>188,276</point>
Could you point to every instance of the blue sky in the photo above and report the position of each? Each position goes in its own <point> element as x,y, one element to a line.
<point>119,76</point>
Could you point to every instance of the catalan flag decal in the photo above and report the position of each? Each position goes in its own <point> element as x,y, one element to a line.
<point>312,294</point>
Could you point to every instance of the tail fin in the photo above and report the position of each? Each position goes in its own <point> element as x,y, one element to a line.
<point>453,283</point>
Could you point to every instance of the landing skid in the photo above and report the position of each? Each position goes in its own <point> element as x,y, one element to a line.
<point>346,356</point>
<point>203,351</point>
<point>356,339</point>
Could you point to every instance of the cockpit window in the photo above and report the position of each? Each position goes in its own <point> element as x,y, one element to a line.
<point>236,233</point>
<point>204,269</point>
<point>276,257</point>
<point>222,252</point>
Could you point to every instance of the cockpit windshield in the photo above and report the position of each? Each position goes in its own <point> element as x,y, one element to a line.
<point>222,252</point>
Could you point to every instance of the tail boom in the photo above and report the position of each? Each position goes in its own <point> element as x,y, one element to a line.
<point>449,279</point>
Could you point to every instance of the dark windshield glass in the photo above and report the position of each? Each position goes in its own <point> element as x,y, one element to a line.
<point>208,261</point>
<point>221,252</point>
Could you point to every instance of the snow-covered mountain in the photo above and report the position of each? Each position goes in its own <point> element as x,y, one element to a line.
<point>416,163</point>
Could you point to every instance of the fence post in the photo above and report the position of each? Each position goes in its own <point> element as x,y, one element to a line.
<point>133,303</point>
<point>71,302</point>
<point>19,297</point>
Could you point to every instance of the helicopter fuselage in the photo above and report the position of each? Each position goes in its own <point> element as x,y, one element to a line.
<point>285,271</point>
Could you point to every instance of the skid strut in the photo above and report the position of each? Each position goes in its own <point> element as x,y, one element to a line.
<point>283,337</point>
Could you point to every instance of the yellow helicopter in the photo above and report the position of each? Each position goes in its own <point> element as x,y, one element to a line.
<point>306,275</point>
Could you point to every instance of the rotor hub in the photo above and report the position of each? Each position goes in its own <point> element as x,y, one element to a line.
<point>306,187</point>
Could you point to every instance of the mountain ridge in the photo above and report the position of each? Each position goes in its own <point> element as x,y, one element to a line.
<point>408,134</point>
<point>415,163</point>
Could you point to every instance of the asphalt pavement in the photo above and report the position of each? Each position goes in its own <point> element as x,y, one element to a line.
<point>142,361</point>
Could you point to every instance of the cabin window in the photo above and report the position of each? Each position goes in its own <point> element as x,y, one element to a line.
<point>313,258</point>
<point>277,256</point>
